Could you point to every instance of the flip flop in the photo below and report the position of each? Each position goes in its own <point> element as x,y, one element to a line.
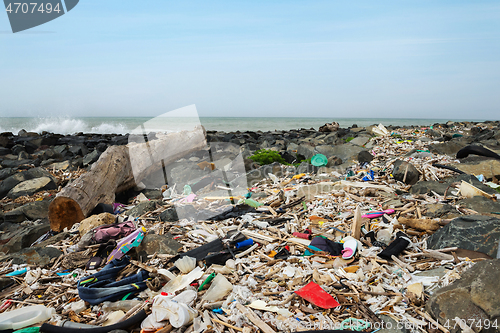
<point>349,250</point>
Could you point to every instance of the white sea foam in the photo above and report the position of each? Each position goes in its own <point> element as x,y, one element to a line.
<point>63,125</point>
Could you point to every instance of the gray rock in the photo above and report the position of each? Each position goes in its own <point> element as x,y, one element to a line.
<point>401,168</point>
<point>439,210</point>
<point>185,173</point>
<point>91,158</point>
<point>23,156</point>
<point>24,237</point>
<point>160,244</point>
<point>152,194</point>
<point>333,161</point>
<point>54,239</point>
<point>9,183</point>
<point>31,211</point>
<point>17,149</point>
<point>360,140</point>
<point>32,186</point>
<point>365,156</point>
<point>169,215</point>
<point>471,232</point>
<point>326,150</point>
<point>80,150</point>
<point>394,203</point>
<point>142,208</point>
<point>38,256</point>
<point>261,173</point>
<point>439,272</point>
<point>479,165</point>
<point>448,148</point>
<point>14,163</point>
<point>6,173</point>
<point>4,151</point>
<point>37,209</point>
<point>475,297</point>
<point>306,150</point>
<point>346,152</point>
<point>433,133</point>
<point>6,142</point>
<point>480,204</point>
<point>423,187</point>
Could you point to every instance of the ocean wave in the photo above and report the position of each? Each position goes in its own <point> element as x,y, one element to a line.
<point>62,126</point>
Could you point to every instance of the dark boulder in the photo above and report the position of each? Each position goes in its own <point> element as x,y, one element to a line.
<point>142,208</point>
<point>471,232</point>
<point>38,256</point>
<point>23,237</point>
<point>405,172</point>
<point>365,156</point>
<point>152,243</point>
<point>474,298</point>
<point>31,186</point>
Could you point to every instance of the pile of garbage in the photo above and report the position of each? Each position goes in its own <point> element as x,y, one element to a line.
<point>383,243</point>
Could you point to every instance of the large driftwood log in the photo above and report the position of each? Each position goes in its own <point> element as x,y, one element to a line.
<point>118,169</point>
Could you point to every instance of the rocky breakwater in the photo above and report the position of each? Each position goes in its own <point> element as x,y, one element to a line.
<point>437,185</point>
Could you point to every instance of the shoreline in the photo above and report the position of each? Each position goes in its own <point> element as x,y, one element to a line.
<point>270,189</point>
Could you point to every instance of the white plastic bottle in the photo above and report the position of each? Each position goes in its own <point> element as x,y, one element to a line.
<point>25,317</point>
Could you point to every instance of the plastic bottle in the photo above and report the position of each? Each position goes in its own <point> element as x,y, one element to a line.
<point>185,264</point>
<point>120,305</point>
<point>113,318</point>
<point>25,317</point>
<point>165,308</point>
<point>219,288</point>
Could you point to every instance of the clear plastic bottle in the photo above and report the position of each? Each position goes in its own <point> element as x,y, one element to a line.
<point>120,305</point>
<point>25,317</point>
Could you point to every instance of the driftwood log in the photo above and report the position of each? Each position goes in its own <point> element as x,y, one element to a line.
<point>118,169</point>
<point>421,224</point>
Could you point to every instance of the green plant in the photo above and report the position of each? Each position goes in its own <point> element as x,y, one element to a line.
<point>264,156</point>
<point>349,139</point>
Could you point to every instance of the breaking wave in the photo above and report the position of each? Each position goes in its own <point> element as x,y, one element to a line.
<point>63,125</point>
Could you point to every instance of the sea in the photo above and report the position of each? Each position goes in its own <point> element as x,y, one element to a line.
<point>123,125</point>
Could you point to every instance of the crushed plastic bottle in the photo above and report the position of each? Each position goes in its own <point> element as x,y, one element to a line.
<point>120,305</point>
<point>25,317</point>
<point>219,288</point>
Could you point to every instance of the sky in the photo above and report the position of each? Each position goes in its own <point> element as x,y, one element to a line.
<point>392,59</point>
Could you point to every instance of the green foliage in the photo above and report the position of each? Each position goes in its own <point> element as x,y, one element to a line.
<point>264,156</point>
<point>349,139</point>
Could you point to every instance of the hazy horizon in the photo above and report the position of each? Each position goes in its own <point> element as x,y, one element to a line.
<point>282,59</point>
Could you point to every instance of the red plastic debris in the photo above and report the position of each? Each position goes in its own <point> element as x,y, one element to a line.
<point>313,293</point>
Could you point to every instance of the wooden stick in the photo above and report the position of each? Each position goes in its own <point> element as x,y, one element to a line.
<point>265,328</point>
<point>402,264</point>
<point>356,225</point>
<point>227,325</point>
<point>144,267</point>
<point>429,318</point>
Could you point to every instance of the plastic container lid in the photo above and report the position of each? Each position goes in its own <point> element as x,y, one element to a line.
<point>319,160</point>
